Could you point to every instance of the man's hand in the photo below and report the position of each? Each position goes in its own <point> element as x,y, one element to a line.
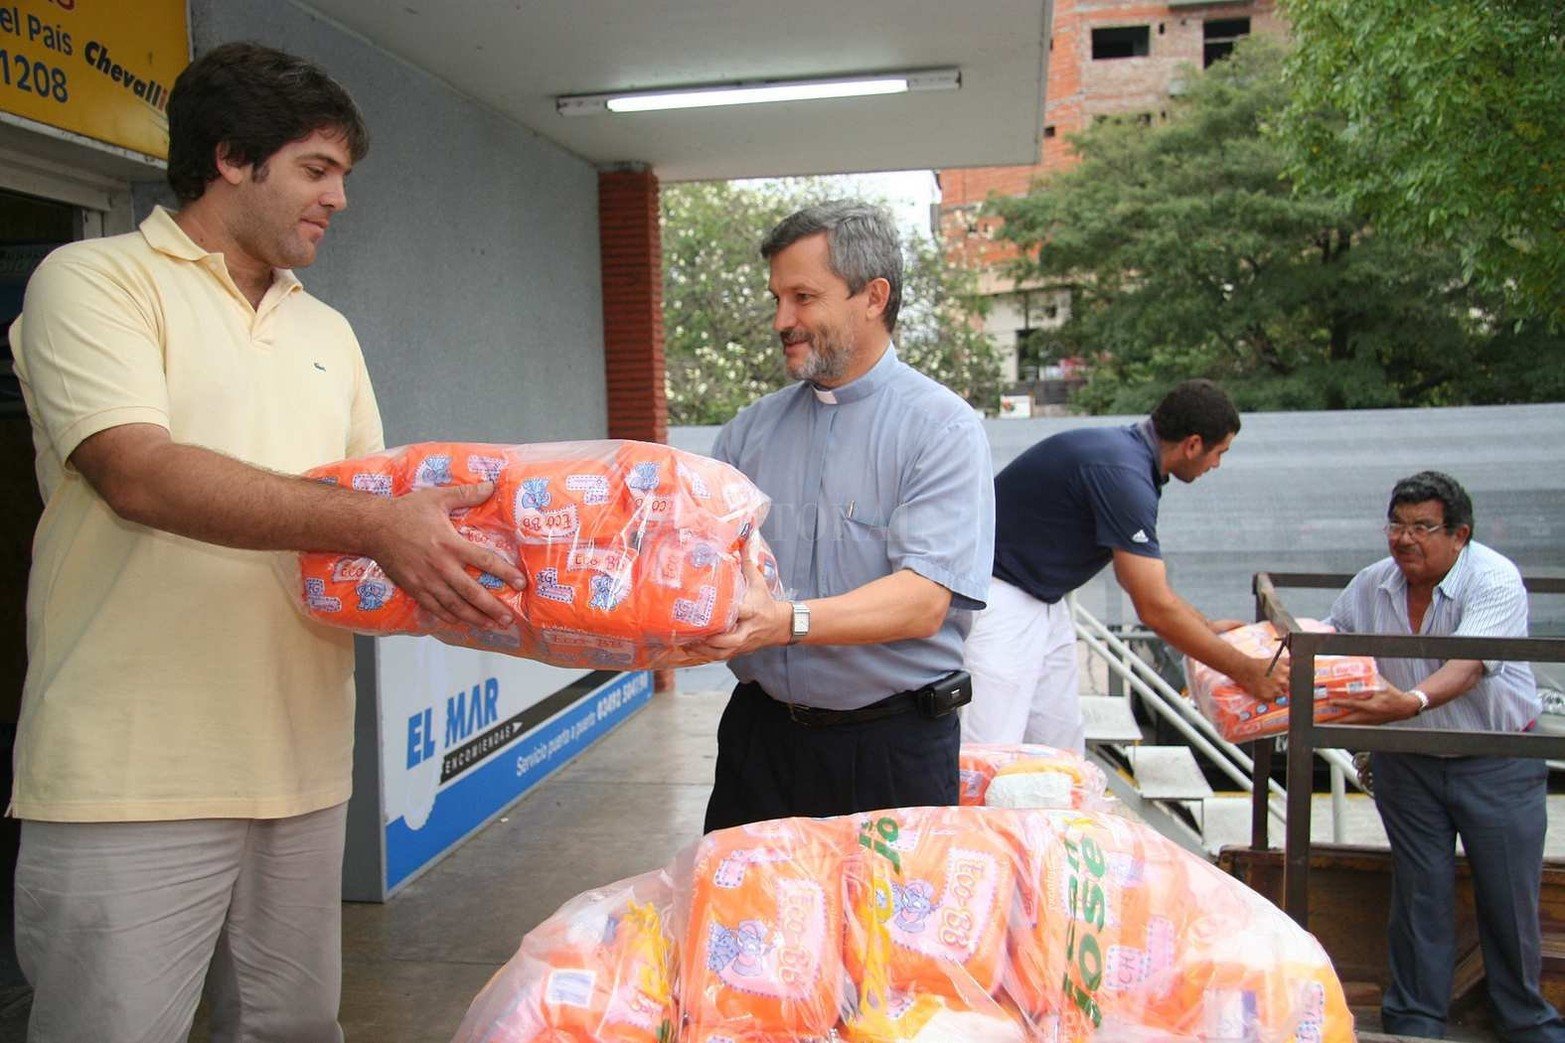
<point>1382,706</point>
<point>1268,687</point>
<point>763,622</point>
<point>425,556</point>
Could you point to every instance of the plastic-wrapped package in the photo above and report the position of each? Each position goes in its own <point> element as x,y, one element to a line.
<point>763,948</point>
<point>1029,776</point>
<point>931,925</point>
<point>1240,717</point>
<point>601,968</point>
<point>631,550</point>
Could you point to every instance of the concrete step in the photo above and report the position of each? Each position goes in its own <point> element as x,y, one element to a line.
<point>1224,821</point>
<point>1168,773</point>
<point>1108,720</point>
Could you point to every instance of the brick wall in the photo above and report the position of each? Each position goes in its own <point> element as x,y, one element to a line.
<point>632,256</point>
<point>1080,89</point>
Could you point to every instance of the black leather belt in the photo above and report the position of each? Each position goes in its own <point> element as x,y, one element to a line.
<point>820,717</point>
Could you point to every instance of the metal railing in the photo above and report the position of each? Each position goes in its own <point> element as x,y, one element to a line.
<point>1129,669</point>
<point>1304,735</point>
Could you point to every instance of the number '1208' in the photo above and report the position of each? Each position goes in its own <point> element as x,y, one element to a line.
<point>34,77</point>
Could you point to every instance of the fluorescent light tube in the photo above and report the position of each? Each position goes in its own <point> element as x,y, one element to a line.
<point>700,99</point>
<point>754,92</point>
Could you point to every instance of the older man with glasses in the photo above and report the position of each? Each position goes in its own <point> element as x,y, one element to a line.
<point>1438,581</point>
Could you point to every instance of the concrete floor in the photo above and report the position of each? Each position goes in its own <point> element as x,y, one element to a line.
<point>412,965</point>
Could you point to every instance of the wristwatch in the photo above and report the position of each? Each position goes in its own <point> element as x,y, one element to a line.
<point>1423,700</point>
<point>801,622</point>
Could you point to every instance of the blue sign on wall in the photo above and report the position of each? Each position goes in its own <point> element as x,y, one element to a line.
<point>492,768</point>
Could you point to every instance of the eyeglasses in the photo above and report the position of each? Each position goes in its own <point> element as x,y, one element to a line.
<point>1417,530</point>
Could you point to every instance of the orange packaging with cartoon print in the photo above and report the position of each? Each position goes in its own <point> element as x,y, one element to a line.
<point>631,551</point>
<point>1239,717</point>
<point>949,881</point>
<point>1106,919</point>
<point>763,950</point>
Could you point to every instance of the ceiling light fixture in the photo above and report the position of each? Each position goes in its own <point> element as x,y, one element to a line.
<point>754,92</point>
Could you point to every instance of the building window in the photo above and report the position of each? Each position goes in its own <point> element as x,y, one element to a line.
<point>1049,131</point>
<point>1123,41</point>
<point>1031,356</point>
<point>1219,36</point>
<point>1142,118</point>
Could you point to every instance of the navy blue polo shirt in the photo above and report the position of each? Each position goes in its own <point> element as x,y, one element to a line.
<point>1064,506</point>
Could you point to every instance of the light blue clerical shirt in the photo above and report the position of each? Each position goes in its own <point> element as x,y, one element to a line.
<point>889,472</point>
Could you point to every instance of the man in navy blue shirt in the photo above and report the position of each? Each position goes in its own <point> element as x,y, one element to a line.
<point>1065,508</point>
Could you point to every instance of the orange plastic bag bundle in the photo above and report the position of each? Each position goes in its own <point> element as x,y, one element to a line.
<point>763,950</point>
<point>949,881</point>
<point>602,968</point>
<point>1135,939</point>
<point>631,550</point>
<point>1239,717</point>
<point>927,925</point>
<point>1031,776</point>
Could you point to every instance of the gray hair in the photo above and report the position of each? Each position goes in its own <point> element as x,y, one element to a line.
<point>861,241</point>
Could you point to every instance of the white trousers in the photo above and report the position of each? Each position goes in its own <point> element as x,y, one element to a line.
<point>1022,655</point>
<point>117,924</point>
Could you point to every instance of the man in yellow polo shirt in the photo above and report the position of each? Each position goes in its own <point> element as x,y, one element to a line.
<point>183,756</point>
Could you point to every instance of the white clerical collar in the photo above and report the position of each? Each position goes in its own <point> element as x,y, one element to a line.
<point>864,386</point>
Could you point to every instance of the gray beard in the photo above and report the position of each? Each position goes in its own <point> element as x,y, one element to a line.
<point>822,363</point>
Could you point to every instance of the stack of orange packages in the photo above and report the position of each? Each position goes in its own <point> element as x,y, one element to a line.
<point>931,925</point>
<point>631,550</point>
<point>1240,717</point>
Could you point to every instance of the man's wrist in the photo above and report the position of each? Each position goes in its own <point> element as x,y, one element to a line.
<point>1423,700</point>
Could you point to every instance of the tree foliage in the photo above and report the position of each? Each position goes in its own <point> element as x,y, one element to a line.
<point>1190,254</point>
<point>720,349</point>
<point>1444,120</point>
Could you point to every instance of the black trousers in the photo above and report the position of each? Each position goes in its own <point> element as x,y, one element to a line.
<point>769,766</point>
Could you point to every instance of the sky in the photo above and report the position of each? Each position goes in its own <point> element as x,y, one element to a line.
<point>908,192</point>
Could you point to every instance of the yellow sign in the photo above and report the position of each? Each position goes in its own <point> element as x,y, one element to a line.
<point>99,68</point>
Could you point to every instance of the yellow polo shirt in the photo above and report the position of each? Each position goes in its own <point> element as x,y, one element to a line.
<point>168,678</point>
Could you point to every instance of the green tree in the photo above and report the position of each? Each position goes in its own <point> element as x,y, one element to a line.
<point>1190,253</point>
<point>720,349</point>
<point>1443,120</point>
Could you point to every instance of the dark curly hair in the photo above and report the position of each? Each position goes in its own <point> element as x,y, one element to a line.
<point>1196,407</point>
<point>251,100</point>
<point>1433,485</point>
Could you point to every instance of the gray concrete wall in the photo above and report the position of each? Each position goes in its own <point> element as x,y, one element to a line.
<point>467,259</point>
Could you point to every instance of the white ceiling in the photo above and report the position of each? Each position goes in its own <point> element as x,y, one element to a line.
<point>517,55</point>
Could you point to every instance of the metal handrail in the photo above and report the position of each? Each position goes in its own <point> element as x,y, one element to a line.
<point>1304,734</point>
<point>1230,759</point>
<point>1168,703</point>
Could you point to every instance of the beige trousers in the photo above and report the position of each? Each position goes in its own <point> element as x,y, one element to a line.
<point>118,924</point>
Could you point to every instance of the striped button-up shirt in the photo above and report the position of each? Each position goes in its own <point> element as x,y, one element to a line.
<point>1482,596</point>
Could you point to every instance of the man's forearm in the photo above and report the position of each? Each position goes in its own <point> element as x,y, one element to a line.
<point>1454,679</point>
<point>893,608</point>
<point>1178,623</point>
<point>207,496</point>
